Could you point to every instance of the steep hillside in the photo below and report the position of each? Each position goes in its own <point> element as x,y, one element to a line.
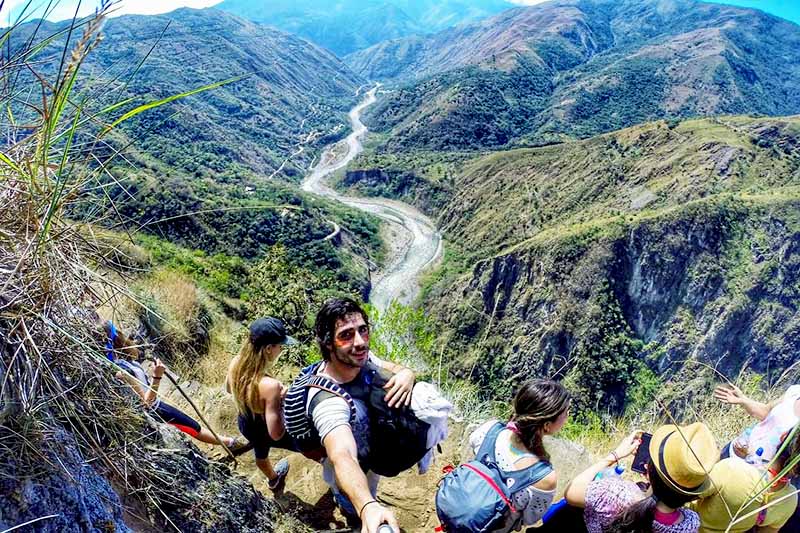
<point>208,171</point>
<point>346,26</point>
<point>293,93</point>
<point>570,69</point>
<point>290,97</point>
<point>661,243</point>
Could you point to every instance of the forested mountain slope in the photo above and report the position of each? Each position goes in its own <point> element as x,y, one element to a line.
<point>658,244</point>
<point>291,91</point>
<point>575,68</point>
<point>210,171</point>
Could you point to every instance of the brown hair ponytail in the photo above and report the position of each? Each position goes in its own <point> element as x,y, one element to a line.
<point>537,402</point>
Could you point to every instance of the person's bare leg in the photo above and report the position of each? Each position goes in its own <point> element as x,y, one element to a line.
<point>266,467</point>
<point>209,438</point>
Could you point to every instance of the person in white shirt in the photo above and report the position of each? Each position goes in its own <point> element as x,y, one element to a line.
<point>759,443</point>
<point>342,331</point>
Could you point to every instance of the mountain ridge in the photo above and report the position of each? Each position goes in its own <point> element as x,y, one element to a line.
<point>573,69</point>
<point>349,25</point>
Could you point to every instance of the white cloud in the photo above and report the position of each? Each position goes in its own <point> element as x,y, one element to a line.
<point>527,2</point>
<point>65,9</point>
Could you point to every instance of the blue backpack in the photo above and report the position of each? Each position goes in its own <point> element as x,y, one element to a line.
<point>476,497</point>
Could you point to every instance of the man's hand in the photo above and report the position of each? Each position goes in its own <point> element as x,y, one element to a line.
<point>159,369</point>
<point>399,388</point>
<point>376,514</point>
<point>730,394</point>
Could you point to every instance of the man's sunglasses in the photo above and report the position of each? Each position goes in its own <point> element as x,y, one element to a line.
<point>347,335</point>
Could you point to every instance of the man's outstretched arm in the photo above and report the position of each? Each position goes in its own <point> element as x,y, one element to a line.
<point>342,452</point>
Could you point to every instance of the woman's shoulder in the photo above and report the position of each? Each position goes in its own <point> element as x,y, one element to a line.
<point>479,433</point>
<point>269,385</point>
<point>547,483</point>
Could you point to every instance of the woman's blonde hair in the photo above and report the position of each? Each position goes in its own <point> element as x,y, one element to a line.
<point>250,366</point>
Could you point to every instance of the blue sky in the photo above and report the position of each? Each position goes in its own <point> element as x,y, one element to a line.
<point>65,9</point>
<point>788,9</point>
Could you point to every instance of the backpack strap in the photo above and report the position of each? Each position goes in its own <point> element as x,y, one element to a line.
<point>333,389</point>
<point>112,336</point>
<point>539,471</point>
<point>297,411</point>
<point>486,451</point>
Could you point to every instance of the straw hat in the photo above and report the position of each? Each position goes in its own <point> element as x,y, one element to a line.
<point>684,455</point>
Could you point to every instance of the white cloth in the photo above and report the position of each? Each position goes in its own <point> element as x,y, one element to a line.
<point>767,434</point>
<point>532,502</point>
<point>428,404</point>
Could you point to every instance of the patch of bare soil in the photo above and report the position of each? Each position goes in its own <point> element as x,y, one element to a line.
<point>306,497</point>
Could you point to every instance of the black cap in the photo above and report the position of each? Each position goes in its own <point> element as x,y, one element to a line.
<point>269,330</point>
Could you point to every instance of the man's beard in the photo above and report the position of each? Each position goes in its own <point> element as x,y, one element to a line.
<point>350,359</point>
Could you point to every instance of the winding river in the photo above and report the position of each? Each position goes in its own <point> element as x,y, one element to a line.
<point>418,242</point>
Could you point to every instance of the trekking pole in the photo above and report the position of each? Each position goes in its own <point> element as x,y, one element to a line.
<point>202,418</point>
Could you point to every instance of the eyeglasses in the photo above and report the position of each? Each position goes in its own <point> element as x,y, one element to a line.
<point>347,335</point>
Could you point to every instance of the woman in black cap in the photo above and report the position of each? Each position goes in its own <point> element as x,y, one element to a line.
<point>259,396</point>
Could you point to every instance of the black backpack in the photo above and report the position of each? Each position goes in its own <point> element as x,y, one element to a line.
<point>397,438</point>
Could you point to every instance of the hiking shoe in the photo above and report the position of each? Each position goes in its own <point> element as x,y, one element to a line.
<point>282,469</point>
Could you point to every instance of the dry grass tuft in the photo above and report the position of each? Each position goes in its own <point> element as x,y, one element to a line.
<point>58,394</point>
<point>178,318</point>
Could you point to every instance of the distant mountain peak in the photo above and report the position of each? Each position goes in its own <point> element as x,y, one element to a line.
<point>349,25</point>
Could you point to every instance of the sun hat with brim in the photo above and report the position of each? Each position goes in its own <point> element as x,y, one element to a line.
<point>683,456</point>
<point>266,331</point>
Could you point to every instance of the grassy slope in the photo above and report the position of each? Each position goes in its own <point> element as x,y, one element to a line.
<point>688,232</point>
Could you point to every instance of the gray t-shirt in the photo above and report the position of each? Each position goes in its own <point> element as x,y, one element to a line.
<point>333,412</point>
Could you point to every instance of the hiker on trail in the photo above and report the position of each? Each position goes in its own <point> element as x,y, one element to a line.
<point>735,488</point>
<point>340,424</point>
<point>680,458</point>
<point>259,396</point>
<point>758,444</point>
<point>541,407</point>
<point>126,355</point>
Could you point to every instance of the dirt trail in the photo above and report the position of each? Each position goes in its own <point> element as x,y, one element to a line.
<point>307,498</point>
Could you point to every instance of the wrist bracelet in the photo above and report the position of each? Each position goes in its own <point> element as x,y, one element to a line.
<point>157,377</point>
<point>365,506</point>
<point>616,457</point>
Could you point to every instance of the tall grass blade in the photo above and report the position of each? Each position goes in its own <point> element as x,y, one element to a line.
<point>13,166</point>
<point>55,197</point>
